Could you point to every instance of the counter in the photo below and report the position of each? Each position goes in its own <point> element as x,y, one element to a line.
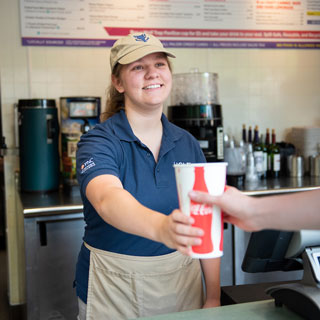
<point>52,203</point>
<point>64,202</point>
<point>244,311</point>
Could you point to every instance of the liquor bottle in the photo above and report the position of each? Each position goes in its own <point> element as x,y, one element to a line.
<point>244,134</point>
<point>267,141</point>
<point>256,135</point>
<point>268,146</point>
<point>265,157</point>
<point>257,153</point>
<point>250,135</point>
<point>274,154</point>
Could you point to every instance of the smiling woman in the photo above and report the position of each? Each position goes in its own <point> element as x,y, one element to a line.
<point>135,260</point>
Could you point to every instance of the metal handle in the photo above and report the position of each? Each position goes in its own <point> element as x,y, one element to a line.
<point>50,128</point>
<point>43,233</point>
<point>43,228</point>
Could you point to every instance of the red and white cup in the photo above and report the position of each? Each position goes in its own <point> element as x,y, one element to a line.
<point>210,178</point>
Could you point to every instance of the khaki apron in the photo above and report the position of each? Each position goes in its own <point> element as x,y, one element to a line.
<point>127,287</point>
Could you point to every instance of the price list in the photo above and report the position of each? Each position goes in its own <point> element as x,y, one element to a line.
<point>178,23</point>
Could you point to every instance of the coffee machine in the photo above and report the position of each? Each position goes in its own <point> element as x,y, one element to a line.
<point>78,115</point>
<point>194,106</point>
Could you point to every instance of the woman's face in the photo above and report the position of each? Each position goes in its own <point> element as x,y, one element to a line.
<point>146,83</point>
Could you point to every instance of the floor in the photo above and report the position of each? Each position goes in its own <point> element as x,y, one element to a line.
<point>7,312</point>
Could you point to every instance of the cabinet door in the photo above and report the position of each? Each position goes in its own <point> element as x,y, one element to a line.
<point>52,248</point>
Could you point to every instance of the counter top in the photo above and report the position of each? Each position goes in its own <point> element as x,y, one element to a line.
<point>51,203</point>
<point>70,202</point>
<point>243,311</point>
<point>281,185</point>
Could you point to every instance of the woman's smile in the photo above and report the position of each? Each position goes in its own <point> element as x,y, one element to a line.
<point>152,86</point>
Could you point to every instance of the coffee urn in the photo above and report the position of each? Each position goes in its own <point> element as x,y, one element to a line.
<point>39,145</point>
<point>194,106</point>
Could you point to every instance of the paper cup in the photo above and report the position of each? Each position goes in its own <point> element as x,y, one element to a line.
<point>210,178</point>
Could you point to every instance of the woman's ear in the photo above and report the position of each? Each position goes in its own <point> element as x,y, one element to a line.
<point>117,83</point>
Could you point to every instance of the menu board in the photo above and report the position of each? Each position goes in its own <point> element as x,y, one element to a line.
<point>177,23</point>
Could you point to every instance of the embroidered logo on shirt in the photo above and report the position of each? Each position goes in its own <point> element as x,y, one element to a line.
<point>142,37</point>
<point>179,163</point>
<point>87,165</point>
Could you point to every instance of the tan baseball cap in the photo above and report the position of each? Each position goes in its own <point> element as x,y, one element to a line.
<point>134,47</point>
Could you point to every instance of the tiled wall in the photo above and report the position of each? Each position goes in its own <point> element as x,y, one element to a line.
<point>270,88</point>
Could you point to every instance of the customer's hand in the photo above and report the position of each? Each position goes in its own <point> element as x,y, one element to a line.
<point>238,208</point>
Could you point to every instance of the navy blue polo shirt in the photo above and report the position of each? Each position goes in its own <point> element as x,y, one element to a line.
<point>112,148</point>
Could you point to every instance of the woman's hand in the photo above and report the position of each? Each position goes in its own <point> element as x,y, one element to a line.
<point>176,232</point>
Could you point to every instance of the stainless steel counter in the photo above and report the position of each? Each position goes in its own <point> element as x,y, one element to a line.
<point>63,202</point>
<point>53,203</point>
<point>281,185</point>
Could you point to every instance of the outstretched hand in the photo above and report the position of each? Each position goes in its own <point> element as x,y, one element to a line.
<point>235,205</point>
<point>176,232</point>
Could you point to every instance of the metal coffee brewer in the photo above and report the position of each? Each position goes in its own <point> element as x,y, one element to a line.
<point>39,145</point>
<point>194,106</point>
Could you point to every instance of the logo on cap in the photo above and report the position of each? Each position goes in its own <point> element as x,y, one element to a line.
<point>142,37</point>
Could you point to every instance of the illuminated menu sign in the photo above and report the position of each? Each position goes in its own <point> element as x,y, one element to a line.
<point>177,23</point>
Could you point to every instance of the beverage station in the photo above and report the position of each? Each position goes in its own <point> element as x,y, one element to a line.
<point>44,194</point>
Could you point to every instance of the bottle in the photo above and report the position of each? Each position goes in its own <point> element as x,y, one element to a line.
<point>256,135</point>
<point>236,157</point>
<point>257,153</point>
<point>202,213</point>
<point>244,134</point>
<point>265,157</point>
<point>250,135</point>
<point>268,146</point>
<point>274,154</point>
<point>251,174</point>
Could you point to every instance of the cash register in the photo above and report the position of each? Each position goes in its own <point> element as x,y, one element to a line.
<point>273,250</point>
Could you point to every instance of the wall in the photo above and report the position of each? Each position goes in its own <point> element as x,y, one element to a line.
<point>270,88</point>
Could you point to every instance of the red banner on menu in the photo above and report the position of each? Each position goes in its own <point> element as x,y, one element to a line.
<point>207,33</point>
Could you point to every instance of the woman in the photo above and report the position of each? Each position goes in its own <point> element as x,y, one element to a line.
<point>128,266</point>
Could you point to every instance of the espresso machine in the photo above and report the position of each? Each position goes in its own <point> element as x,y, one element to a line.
<point>194,106</point>
<point>78,115</point>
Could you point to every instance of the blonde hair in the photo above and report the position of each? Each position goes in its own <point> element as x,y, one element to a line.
<point>115,99</point>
